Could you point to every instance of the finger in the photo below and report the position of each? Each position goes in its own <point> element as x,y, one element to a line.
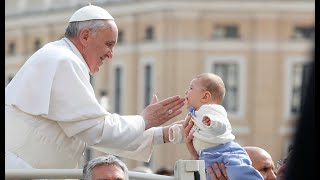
<point>154,99</point>
<point>174,114</point>
<point>166,116</point>
<point>187,120</point>
<point>224,170</point>
<point>192,130</point>
<point>218,172</point>
<point>187,130</point>
<point>190,136</point>
<point>170,100</point>
<point>175,106</point>
<point>188,127</point>
<point>212,174</point>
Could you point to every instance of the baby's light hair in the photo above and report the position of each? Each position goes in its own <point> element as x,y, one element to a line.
<point>214,84</point>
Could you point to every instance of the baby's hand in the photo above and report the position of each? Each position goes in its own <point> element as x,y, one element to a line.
<point>206,121</point>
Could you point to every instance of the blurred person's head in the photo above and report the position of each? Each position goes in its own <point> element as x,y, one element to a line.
<point>261,161</point>
<point>164,171</point>
<point>282,165</point>
<point>105,167</point>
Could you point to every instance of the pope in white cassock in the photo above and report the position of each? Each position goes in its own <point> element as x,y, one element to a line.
<point>51,112</point>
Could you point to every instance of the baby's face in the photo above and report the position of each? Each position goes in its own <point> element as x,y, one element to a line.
<point>194,94</point>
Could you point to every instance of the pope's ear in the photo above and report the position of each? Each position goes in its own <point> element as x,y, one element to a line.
<point>84,36</point>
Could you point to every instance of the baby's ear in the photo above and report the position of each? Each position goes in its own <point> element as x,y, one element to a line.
<point>207,96</point>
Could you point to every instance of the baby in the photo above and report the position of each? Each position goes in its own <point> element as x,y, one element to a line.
<point>213,138</point>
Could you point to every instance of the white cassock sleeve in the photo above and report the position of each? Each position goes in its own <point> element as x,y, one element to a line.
<point>146,142</point>
<point>116,135</point>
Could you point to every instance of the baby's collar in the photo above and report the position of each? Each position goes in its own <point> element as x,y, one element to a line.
<point>192,110</point>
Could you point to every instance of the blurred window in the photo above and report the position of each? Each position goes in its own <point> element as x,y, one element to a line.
<point>37,44</point>
<point>226,31</point>
<point>147,84</point>
<point>104,100</point>
<point>149,33</point>
<point>12,48</point>
<point>146,81</point>
<point>303,32</point>
<point>229,72</point>
<point>120,36</point>
<point>118,75</point>
<point>10,77</point>
<point>299,73</point>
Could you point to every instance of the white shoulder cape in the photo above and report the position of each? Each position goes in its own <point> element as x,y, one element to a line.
<point>56,68</point>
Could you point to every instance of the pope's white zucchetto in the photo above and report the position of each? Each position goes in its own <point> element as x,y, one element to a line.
<point>90,12</point>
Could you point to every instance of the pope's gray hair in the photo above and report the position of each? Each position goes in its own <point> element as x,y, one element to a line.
<point>103,160</point>
<point>74,28</point>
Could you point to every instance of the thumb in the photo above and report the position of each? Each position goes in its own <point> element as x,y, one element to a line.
<point>154,99</point>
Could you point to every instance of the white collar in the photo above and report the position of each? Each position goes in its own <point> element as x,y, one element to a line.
<point>77,52</point>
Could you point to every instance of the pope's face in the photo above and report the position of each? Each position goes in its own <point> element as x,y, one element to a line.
<point>100,46</point>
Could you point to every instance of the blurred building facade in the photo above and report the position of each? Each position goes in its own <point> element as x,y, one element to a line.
<point>260,49</point>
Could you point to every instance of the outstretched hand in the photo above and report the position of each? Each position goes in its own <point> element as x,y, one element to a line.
<point>157,113</point>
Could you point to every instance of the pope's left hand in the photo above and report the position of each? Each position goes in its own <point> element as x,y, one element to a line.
<point>157,113</point>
